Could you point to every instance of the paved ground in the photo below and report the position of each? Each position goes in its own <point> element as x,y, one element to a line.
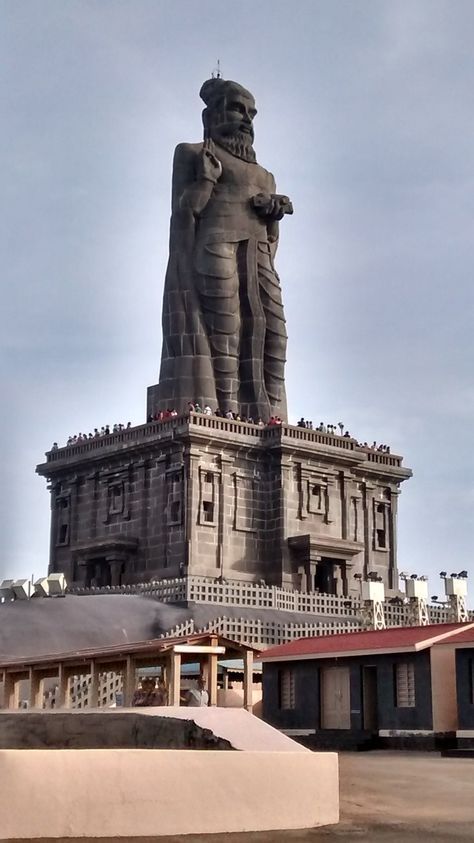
<point>386,797</point>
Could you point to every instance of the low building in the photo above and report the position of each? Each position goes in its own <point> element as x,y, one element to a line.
<point>462,649</point>
<point>393,687</point>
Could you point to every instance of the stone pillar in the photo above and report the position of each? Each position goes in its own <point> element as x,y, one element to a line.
<point>62,694</point>
<point>212,678</point>
<point>338,581</point>
<point>128,681</point>
<point>284,520</point>
<point>34,700</point>
<point>53,530</point>
<point>393,565</point>
<point>94,685</point>
<point>74,510</point>
<point>225,506</point>
<point>248,679</point>
<point>9,690</point>
<point>368,504</point>
<point>190,496</point>
<point>116,562</point>
<point>175,679</point>
<point>346,486</point>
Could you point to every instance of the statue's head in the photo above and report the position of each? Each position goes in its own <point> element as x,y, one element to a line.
<point>228,116</point>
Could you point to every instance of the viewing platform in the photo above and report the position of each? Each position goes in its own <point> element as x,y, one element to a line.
<point>216,427</point>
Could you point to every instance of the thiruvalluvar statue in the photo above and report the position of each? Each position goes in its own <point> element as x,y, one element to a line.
<point>224,333</point>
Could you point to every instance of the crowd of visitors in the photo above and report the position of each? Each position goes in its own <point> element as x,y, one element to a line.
<point>333,429</point>
<point>106,430</point>
<point>339,430</point>
<point>154,692</point>
<point>195,407</point>
<point>206,410</point>
<point>150,692</point>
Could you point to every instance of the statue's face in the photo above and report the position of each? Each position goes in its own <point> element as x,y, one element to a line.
<point>234,119</point>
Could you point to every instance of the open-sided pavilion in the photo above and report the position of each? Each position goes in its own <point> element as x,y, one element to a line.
<point>126,659</point>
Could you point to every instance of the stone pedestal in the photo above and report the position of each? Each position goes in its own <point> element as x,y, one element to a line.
<point>211,497</point>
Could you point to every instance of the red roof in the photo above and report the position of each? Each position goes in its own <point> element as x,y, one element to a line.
<point>464,637</point>
<point>347,643</point>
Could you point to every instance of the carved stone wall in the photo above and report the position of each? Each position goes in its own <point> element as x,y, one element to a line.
<point>210,497</point>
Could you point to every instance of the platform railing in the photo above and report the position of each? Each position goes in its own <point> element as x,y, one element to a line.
<point>200,421</point>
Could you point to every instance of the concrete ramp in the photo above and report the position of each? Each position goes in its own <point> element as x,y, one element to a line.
<point>241,729</point>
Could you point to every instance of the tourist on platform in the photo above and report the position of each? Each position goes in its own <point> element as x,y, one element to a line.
<point>161,692</point>
<point>207,410</point>
<point>146,694</point>
<point>198,696</point>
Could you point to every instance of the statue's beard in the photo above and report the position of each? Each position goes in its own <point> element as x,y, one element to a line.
<point>238,144</point>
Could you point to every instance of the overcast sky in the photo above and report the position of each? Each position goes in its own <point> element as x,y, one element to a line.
<point>366,120</point>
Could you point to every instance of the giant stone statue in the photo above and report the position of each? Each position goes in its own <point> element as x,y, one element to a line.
<point>224,335</point>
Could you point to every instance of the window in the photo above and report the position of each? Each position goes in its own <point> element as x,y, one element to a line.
<point>63,534</point>
<point>316,497</point>
<point>208,477</point>
<point>286,689</point>
<point>208,512</point>
<point>381,512</point>
<point>381,539</point>
<point>405,685</point>
<point>175,512</point>
<point>116,498</point>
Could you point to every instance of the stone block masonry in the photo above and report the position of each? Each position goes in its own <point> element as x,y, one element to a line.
<point>199,495</point>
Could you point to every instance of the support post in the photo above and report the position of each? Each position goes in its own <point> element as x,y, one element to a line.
<point>94,685</point>
<point>128,681</point>
<point>34,700</point>
<point>212,678</point>
<point>8,690</point>
<point>62,695</point>
<point>248,679</point>
<point>175,679</point>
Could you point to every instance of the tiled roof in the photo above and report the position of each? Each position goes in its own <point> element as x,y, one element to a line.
<point>345,643</point>
<point>464,637</point>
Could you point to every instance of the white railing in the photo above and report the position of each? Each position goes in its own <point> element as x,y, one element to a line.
<point>237,593</point>
<point>253,595</point>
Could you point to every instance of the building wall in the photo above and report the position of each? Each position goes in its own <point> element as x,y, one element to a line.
<point>130,793</point>
<point>307,711</point>
<point>464,685</point>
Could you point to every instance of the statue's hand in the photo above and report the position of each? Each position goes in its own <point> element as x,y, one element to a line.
<point>272,206</point>
<point>209,166</point>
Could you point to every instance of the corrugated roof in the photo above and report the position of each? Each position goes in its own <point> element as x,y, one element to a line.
<point>347,643</point>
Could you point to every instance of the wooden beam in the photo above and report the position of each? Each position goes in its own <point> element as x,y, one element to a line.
<point>248,679</point>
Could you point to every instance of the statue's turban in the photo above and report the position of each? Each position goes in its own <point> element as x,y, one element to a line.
<point>214,90</point>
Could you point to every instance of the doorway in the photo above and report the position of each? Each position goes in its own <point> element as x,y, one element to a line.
<point>335,698</point>
<point>369,698</point>
<point>98,573</point>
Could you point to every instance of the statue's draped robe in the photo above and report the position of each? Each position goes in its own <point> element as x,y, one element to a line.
<point>224,336</point>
